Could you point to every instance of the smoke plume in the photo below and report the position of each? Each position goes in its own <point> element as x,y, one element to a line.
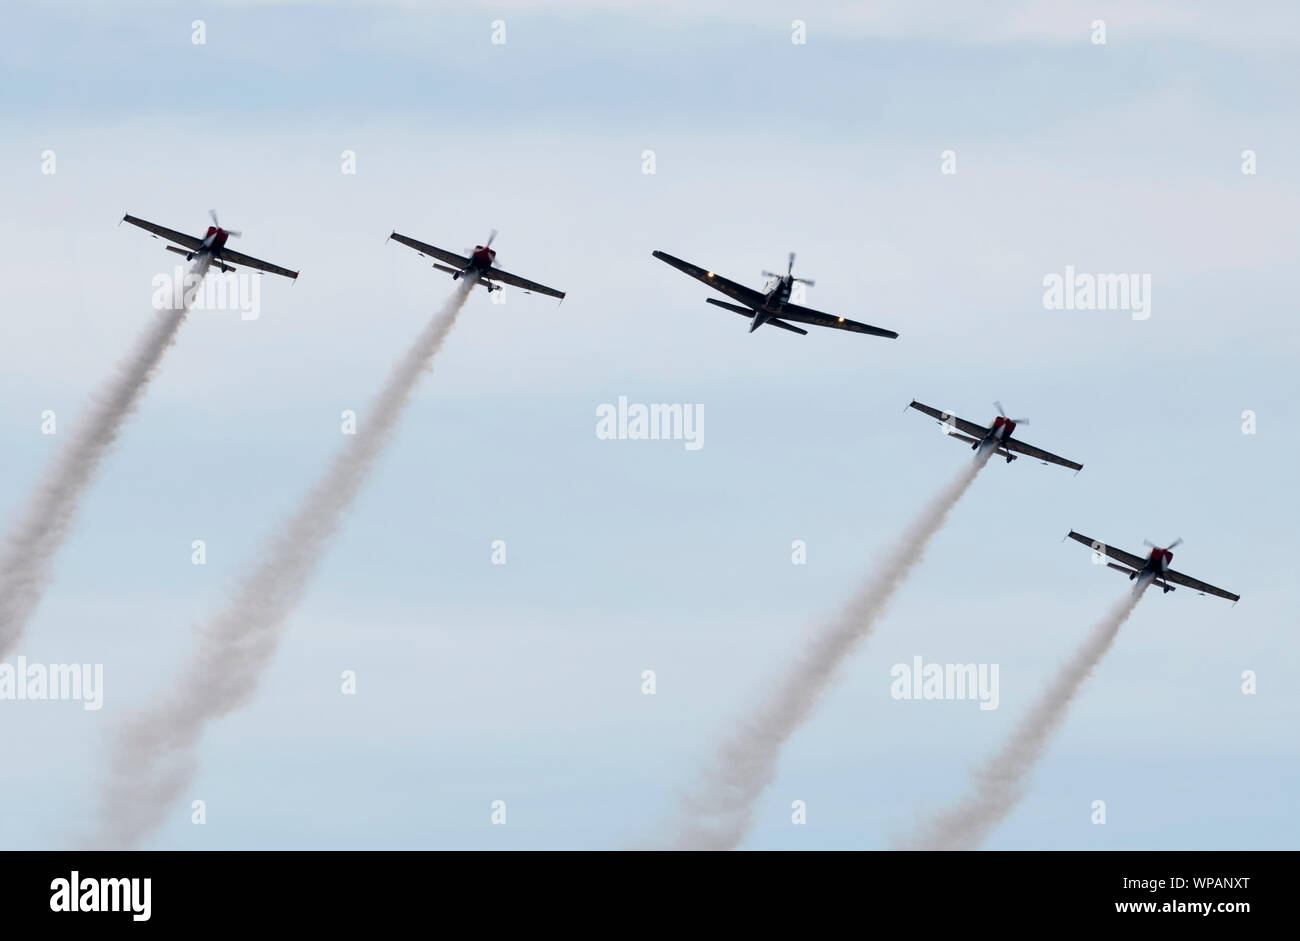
<point>155,755</point>
<point>719,813</point>
<point>28,555</point>
<point>999,785</point>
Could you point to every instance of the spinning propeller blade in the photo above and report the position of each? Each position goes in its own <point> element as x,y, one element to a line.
<point>1176,542</point>
<point>1018,421</point>
<point>231,232</point>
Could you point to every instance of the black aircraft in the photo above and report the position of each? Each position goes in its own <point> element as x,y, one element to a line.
<point>772,305</point>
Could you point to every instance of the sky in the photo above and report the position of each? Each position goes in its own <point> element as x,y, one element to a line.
<point>522,682</point>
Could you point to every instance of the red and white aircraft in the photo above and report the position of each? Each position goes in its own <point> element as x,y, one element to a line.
<point>997,437</point>
<point>212,244</point>
<point>1154,568</point>
<point>479,267</point>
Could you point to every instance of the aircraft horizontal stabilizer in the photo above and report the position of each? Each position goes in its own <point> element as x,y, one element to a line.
<point>743,311</point>
<point>785,326</point>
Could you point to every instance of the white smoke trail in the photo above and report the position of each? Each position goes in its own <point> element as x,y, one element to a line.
<point>39,532</point>
<point>154,759</point>
<point>999,785</point>
<point>719,814</point>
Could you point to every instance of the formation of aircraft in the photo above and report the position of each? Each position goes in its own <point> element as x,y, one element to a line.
<point>479,267</point>
<point>1155,567</point>
<point>772,305</point>
<point>212,244</point>
<point>996,437</point>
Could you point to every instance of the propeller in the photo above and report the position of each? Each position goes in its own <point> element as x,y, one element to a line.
<point>491,236</point>
<point>1018,421</point>
<point>231,232</point>
<point>1177,542</point>
<point>789,273</point>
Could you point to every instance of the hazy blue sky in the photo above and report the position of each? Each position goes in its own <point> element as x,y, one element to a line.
<point>522,682</point>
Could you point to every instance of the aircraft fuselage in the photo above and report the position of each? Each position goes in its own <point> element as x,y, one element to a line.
<point>1156,565</point>
<point>997,437</point>
<point>1157,562</point>
<point>773,302</point>
<point>214,240</point>
<point>480,262</point>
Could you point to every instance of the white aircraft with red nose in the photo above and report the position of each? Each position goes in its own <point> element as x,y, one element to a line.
<point>1154,568</point>
<point>212,244</point>
<point>996,437</point>
<point>478,266</point>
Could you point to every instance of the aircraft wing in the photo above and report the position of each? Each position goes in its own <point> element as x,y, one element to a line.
<point>1015,444</point>
<point>424,248</point>
<point>952,421</point>
<point>496,274</point>
<point>1134,562</point>
<point>180,238</point>
<point>716,281</point>
<point>248,261</point>
<point>1178,578</point>
<point>806,315</point>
